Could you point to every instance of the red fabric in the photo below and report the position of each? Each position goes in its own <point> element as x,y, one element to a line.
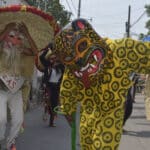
<point>34,10</point>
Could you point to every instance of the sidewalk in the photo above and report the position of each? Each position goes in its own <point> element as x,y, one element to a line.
<point>138,135</point>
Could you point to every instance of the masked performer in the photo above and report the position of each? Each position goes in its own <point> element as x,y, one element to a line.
<point>97,76</point>
<point>18,46</point>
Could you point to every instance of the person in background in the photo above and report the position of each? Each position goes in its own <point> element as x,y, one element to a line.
<point>52,80</point>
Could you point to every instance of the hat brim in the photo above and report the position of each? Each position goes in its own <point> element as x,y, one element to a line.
<point>41,26</point>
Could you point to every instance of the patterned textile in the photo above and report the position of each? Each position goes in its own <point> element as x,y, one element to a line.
<point>97,76</point>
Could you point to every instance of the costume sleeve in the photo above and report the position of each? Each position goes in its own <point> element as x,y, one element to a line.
<point>133,55</point>
<point>68,93</point>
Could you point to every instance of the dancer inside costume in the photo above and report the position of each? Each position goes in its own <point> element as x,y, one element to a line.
<point>97,76</point>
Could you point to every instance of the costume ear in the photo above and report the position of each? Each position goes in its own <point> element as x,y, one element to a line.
<point>79,24</point>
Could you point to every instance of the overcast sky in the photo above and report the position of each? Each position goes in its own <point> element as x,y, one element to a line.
<point>109,16</point>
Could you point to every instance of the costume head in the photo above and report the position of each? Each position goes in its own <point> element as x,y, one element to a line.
<point>81,48</point>
<point>11,48</point>
<point>41,27</point>
<point>14,38</point>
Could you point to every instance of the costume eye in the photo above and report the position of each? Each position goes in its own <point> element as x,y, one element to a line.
<point>82,46</point>
<point>70,56</point>
<point>11,36</point>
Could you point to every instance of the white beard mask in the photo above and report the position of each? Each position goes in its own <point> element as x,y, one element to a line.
<point>11,59</point>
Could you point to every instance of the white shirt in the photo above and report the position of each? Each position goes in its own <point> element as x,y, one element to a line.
<point>55,76</point>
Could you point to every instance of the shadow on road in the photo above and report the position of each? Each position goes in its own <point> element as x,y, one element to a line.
<point>138,117</point>
<point>143,134</point>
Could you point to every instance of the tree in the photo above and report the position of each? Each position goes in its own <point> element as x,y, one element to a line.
<point>147,25</point>
<point>55,8</point>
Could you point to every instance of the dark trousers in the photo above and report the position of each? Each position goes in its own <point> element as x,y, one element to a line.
<point>128,106</point>
<point>53,89</point>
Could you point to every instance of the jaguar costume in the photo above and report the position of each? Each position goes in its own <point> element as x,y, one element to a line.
<point>97,76</point>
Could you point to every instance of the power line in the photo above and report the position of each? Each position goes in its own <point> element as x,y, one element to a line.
<point>69,7</point>
<point>79,9</point>
<point>138,19</point>
<point>73,6</point>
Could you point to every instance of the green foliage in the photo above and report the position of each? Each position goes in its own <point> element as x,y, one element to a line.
<point>141,36</point>
<point>55,8</point>
<point>147,10</point>
<point>147,24</point>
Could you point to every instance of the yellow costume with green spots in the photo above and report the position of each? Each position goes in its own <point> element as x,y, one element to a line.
<point>96,75</point>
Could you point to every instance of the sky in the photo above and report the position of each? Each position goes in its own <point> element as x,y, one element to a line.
<point>108,17</point>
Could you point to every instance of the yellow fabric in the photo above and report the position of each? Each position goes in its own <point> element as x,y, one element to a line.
<point>102,105</point>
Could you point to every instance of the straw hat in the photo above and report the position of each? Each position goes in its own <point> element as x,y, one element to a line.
<point>41,26</point>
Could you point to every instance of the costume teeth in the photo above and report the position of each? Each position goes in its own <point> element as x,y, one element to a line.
<point>95,57</point>
<point>77,74</point>
<point>93,66</point>
<point>84,68</point>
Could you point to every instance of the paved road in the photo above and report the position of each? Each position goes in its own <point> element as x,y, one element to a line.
<point>138,135</point>
<point>38,136</point>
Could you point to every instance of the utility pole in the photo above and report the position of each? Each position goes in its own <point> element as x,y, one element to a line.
<point>128,22</point>
<point>79,8</point>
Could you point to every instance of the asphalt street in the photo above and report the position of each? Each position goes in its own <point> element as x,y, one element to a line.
<point>38,136</point>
